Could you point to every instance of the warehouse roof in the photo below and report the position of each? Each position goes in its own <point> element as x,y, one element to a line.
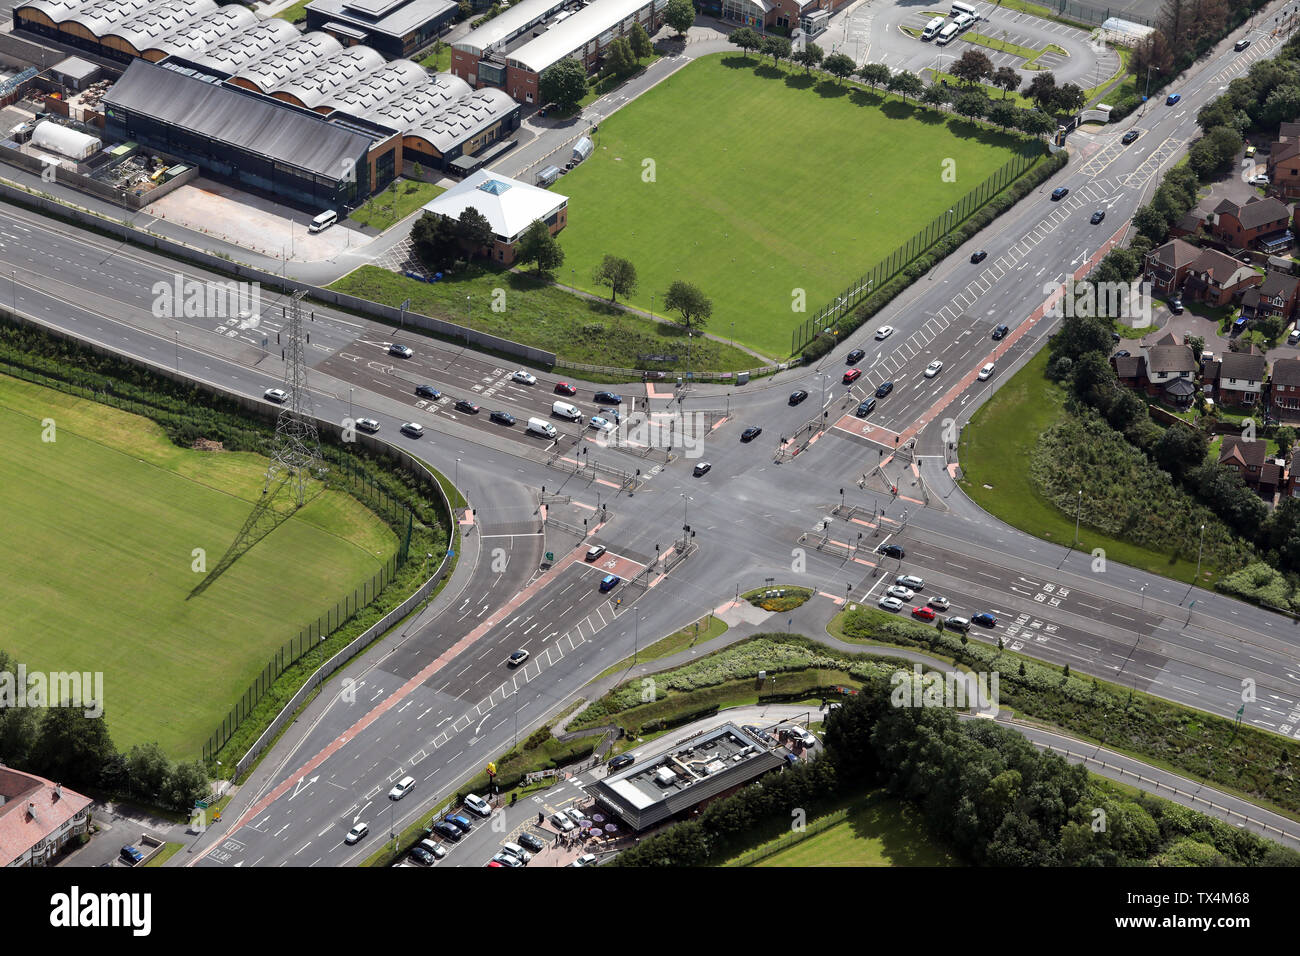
<point>423,103</point>
<point>195,36</point>
<point>508,205</point>
<point>332,74</point>
<point>508,24</point>
<point>393,17</point>
<point>56,10</point>
<point>398,78</point>
<point>146,28</point>
<point>246,46</point>
<point>289,60</point>
<point>101,16</point>
<point>246,121</point>
<point>470,114</point>
<point>575,32</point>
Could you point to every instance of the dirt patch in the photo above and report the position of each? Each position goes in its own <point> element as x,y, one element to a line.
<point>204,444</point>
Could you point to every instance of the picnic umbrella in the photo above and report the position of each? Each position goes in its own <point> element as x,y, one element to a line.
<point>611,827</point>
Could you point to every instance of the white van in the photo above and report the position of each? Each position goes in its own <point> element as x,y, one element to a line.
<point>959,8</point>
<point>540,426</point>
<point>964,22</point>
<point>947,34</point>
<point>323,221</point>
<point>932,28</point>
<point>565,410</point>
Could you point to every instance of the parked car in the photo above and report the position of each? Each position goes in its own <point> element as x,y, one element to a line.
<point>421,856</point>
<point>1123,353</point>
<point>1129,137</point>
<point>436,849</point>
<point>1173,98</point>
<point>797,396</point>
<point>1176,305</point>
<point>923,613</point>
<point>427,391</point>
<point>1098,216</point>
<point>401,788</point>
<point>885,389</point>
<point>750,433</point>
<point>562,822</point>
<point>852,375</point>
<point>801,735</point>
<point>524,378</point>
<point>401,351</point>
<point>131,855</point>
<point>530,840</point>
<point>505,859</point>
<point>608,398</point>
<point>866,408</point>
<point>888,603</point>
<point>502,418</point>
<point>900,592</point>
<point>939,603</point>
<point>587,859</point>
<point>478,805</point>
<point>984,619</point>
<point>621,761</point>
<point>466,406</point>
<point>518,852</point>
<point>854,357</point>
<point>701,469</point>
<point>414,429</point>
<point>517,658</point>
<point>564,388</point>
<point>460,822</point>
<point>576,815</point>
<point>447,831</point>
<point>933,369</point>
<point>891,551</point>
<point>884,332</point>
<point>356,833</point>
<point>978,257</point>
<point>276,395</point>
<point>1000,332</point>
<point>1260,180</point>
<point>1250,151</point>
<point>1060,192</point>
<point>367,425</point>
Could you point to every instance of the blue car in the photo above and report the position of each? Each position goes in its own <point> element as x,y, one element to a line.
<point>609,582</point>
<point>460,822</point>
<point>1173,98</point>
<point>131,855</point>
<point>984,619</point>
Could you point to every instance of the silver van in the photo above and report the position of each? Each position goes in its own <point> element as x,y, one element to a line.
<point>323,221</point>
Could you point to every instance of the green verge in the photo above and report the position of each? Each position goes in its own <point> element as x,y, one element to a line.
<point>164,854</point>
<point>686,638</point>
<point>389,207</point>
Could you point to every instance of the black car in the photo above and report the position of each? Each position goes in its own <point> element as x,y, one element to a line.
<point>1176,305</point>
<point>978,256</point>
<point>1000,332</point>
<point>427,391</point>
<point>854,357</point>
<point>608,398</point>
<point>422,856</point>
<point>505,418</point>
<point>797,396</point>
<point>1114,336</point>
<point>529,842</point>
<point>1060,192</point>
<point>750,433</point>
<point>885,389</point>
<point>621,761</point>
<point>1098,216</point>
<point>1241,45</point>
<point>466,406</point>
<point>1122,353</point>
<point>448,831</point>
<point>1129,137</point>
<point>891,551</point>
<point>866,408</point>
<point>702,468</point>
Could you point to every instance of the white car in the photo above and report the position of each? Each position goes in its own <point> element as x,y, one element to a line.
<point>413,429</point>
<point>933,368</point>
<point>524,378</point>
<point>884,332</point>
<point>401,788</point>
<point>1260,180</point>
<point>505,859</point>
<point>562,822</point>
<point>805,738</point>
<point>367,425</point>
<point>276,395</point>
<point>587,859</point>
<point>890,604</point>
<point>900,592</point>
<point>939,603</point>
<point>401,351</point>
<point>576,815</point>
<point>437,849</point>
<point>478,805</point>
<point>910,581</point>
<point>518,852</point>
<point>986,371</point>
<point>356,833</point>
<point>601,424</point>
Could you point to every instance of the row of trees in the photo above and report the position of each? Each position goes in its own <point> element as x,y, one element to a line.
<point>685,298</point>
<point>444,244</point>
<point>64,745</point>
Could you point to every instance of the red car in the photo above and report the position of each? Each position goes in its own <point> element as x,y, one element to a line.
<point>564,388</point>
<point>924,613</point>
<point>852,375</point>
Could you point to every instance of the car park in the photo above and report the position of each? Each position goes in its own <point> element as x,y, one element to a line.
<point>356,833</point>
<point>602,425</point>
<point>866,408</point>
<point>978,257</point>
<point>923,613</point>
<point>531,841</point>
<point>466,406</point>
<point>1241,45</point>
<point>427,391</point>
<point>367,425</point>
<point>957,624</point>
<point>750,433</point>
<point>797,396</point>
<point>852,375</point>
<point>984,619</point>
<point>564,388</point>
<point>502,418</point>
<point>524,378</point>
<point>460,822</point>
<point>1060,192</point>
<point>401,788</point>
<point>939,603</point>
<point>421,856</point>
<point>910,581</point>
<point>401,351</point>
<point>888,603</point>
<point>131,855</point>
<point>276,395</point>
<point>562,822</point>
<point>609,582</point>
<point>1098,216</point>
<point>985,372</point>
<point>621,761</point>
<point>1173,98</point>
<point>517,658</point>
<point>900,592</point>
<point>414,429</point>
<point>595,551</point>
<point>891,551</point>
<point>476,804</point>
<point>701,469</point>
<point>885,389</point>
<point>1129,137</point>
<point>854,357</point>
<point>884,332</point>
<point>1000,332</point>
<point>933,369</point>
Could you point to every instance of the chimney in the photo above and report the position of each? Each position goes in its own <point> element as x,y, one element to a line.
<point>31,809</point>
<point>58,791</point>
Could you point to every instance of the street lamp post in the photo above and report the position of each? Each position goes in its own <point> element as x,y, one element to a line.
<point>636,632</point>
<point>178,350</point>
<point>457,481</point>
<point>1199,548</point>
<point>1078,513</point>
<point>350,391</point>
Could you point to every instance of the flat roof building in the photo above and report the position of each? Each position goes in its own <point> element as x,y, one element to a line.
<point>393,27</point>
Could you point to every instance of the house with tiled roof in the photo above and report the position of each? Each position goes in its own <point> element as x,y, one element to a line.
<point>1246,457</point>
<point>38,818</point>
<point>1284,391</point>
<point>1217,278</point>
<point>1240,379</point>
<point>1277,295</point>
<point>1253,224</point>
<point>1168,368</point>
<point>1284,163</point>
<point>1166,266</point>
<point>1189,224</point>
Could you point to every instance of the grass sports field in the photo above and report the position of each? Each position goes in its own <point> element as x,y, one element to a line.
<point>765,182</point>
<point>99,529</point>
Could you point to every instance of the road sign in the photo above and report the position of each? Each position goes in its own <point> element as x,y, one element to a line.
<point>550,555</point>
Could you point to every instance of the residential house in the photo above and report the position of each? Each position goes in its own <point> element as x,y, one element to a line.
<point>1217,278</point>
<point>1167,265</point>
<point>1293,473</point>
<point>1240,378</point>
<point>1128,369</point>
<point>1253,224</point>
<point>37,818</point>
<point>1284,161</point>
<point>1247,458</point>
<point>1284,391</point>
<point>1277,295</point>
<point>1169,368</point>
<point>1189,225</point>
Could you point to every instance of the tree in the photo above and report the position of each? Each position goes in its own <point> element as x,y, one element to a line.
<point>1285,438</point>
<point>972,67</point>
<point>1150,223</point>
<point>972,105</point>
<point>72,748</point>
<point>1002,114</point>
<point>474,231</point>
<point>680,15</point>
<point>1197,344</point>
<point>778,48</point>
<point>1069,98</point>
<point>417,172</point>
<point>1094,380</point>
<point>695,307</point>
<point>1006,79</point>
<point>1034,123</point>
<point>746,38</point>
<point>640,40</point>
<point>934,96</point>
<point>1180,449</point>
<point>1042,90</point>
<point>563,83</point>
<point>436,240</point>
<point>187,783</point>
<point>1080,335</point>
<point>537,245</point>
<point>147,769</point>
<point>906,84</point>
<point>874,74</point>
<point>619,58</point>
<point>616,273</point>
<point>839,65</point>
<point>810,56</point>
